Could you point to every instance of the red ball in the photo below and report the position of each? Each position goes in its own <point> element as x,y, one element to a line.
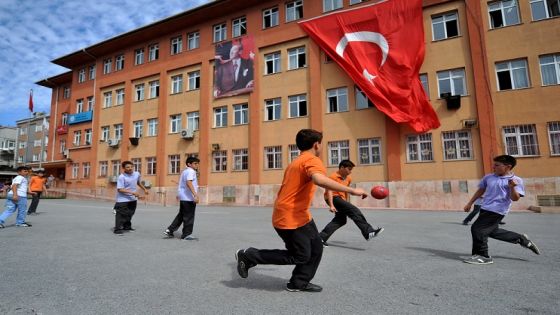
<point>379,192</point>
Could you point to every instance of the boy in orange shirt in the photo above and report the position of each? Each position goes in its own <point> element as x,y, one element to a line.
<point>37,185</point>
<point>292,219</point>
<point>342,208</point>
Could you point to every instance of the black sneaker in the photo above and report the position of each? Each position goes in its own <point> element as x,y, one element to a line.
<point>243,264</point>
<point>118,231</point>
<point>375,233</point>
<point>530,245</point>
<point>310,287</point>
<point>501,223</point>
<point>168,233</point>
<point>129,229</point>
<point>24,224</point>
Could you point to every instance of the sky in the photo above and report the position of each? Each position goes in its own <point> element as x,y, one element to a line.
<point>34,32</point>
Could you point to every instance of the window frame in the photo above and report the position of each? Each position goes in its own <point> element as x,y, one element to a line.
<point>510,69</point>
<point>417,140</point>
<point>294,11</point>
<point>272,63</point>
<point>295,58</point>
<point>454,140</point>
<point>342,150</point>
<point>273,109</point>
<point>273,157</point>
<point>519,135</point>
<point>446,17</point>
<point>219,32</point>
<point>270,17</point>
<point>240,159</point>
<point>239,27</point>
<point>220,115</point>
<point>240,114</point>
<point>373,148</point>
<point>298,100</point>
<point>337,100</point>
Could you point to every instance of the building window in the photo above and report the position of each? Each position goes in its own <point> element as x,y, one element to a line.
<point>90,103</point>
<point>107,99</point>
<point>119,62</point>
<point>419,148</point>
<point>176,45</point>
<point>362,101</point>
<point>75,169</point>
<point>176,84</point>
<point>554,137</point>
<point>137,163</point>
<point>119,97</point>
<point>240,159</point>
<point>270,17</point>
<point>175,123</point>
<point>192,120</point>
<point>272,63</point>
<point>82,75</point>
<point>445,26</point>
<point>104,133</point>
<point>86,166</point>
<point>273,158</point>
<point>64,118</point>
<point>293,152</point>
<point>154,89</point>
<point>298,105</point>
<point>193,40</point>
<point>103,168</point>
<point>338,151</point>
<point>521,140</point>
<point>79,106</point>
<point>152,127</point>
<point>174,164</point>
<point>88,135</point>
<point>272,109</point>
<point>107,65</point>
<point>139,56</point>
<point>77,138</point>
<point>512,75</point>
<point>544,9</point>
<point>118,131</point>
<point>241,114</point>
<point>369,151</point>
<point>296,58</point>
<point>36,143</point>
<point>153,52</point>
<point>503,13</point>
<point>355,1</point>
<point>457,145</point>
<point>330,5</point>
<point>219,161</point>
<point>294,10</point>
<point>138,128</point>
<point>66,93</point>
<point>220,117</point>
<point>151,165</point>
<point>337,100</point>
<point>239,27</point>
<point>139,92</point>
<point>550,69</point>
<point>452,81</point>
<point>194,80</point>
<point>424,81</point>
<point>92,72</point>
<point>115,167</point>
<point>220,32</point>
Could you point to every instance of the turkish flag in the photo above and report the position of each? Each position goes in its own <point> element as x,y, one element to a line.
<point>381,47</point>
<point>31,101</point>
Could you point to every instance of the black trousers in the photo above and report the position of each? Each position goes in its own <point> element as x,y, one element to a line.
<point>303,249</point>
<point>487,225</point>
<point>34,202</point>
<point>125,211</point>
<point>345,209</point>
<point>185,217</point>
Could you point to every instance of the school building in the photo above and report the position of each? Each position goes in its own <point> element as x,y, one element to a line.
<point>491,72</point>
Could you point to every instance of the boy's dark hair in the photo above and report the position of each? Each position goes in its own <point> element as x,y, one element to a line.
<point>507,160</point>
<point>22,168</point>
<point>346,163</point>
<point>192,159</point>
<point>125,163</point>
<point>305,138</point>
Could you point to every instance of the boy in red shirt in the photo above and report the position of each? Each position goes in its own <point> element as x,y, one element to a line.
<point>292,219</point>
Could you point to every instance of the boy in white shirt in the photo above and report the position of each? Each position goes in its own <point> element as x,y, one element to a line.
<point>17,199</point>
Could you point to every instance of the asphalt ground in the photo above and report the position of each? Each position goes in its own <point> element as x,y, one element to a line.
<point>70,262</point>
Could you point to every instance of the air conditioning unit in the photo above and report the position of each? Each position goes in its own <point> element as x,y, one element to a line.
<point>187,134</point>
<point>66,153</point>
<point>215,147</point>
<point>469,123</point>
<point>146,183</point>
<point>113,142</point>
<point>113,179</point>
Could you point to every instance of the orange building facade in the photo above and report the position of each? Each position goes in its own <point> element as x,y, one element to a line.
<point>148,96</point>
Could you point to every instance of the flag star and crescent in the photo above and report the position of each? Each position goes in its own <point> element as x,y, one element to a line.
<point>381,47</point>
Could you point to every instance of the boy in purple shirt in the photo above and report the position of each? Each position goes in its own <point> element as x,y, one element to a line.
<point>499,189</point>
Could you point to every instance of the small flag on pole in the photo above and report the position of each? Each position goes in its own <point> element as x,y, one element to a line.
<point>31,101</point>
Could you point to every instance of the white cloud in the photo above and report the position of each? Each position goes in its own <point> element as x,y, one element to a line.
<point>34,32</point>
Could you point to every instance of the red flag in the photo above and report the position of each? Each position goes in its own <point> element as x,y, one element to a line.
<point>31,101</point>
<point>381,47</point>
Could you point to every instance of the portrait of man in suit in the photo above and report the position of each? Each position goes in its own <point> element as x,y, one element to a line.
<point>233,69</point>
